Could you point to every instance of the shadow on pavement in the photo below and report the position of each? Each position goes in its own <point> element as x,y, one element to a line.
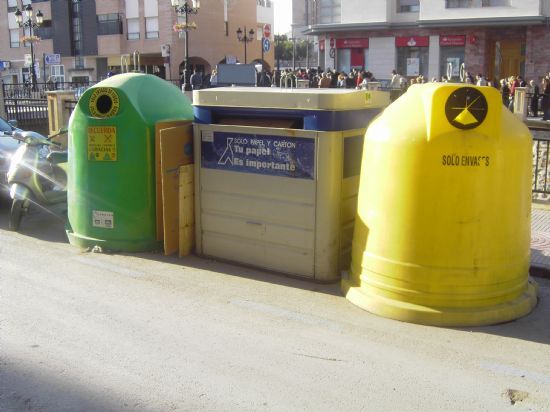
<point>46,225</point>
<point>533,327</point>
<point>234,269</point>
<point>49,227</point>
<point>35,388</point>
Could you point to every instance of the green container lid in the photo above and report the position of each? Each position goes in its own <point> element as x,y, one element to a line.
<point>111,177</point>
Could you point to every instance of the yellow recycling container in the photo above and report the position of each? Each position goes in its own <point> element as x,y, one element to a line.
<point>442,231</point>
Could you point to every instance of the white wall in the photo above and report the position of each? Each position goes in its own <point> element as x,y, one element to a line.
<point>363,11</point>
<point>382,56</point>
<point>433,59</point>
<point>435,10</point>
<point>265,15</point>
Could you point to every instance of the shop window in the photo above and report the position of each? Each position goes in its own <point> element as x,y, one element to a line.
<point>451,60</point>
<point>408,6</point>
<point>133,29</point>
<point>343,60</point>
<point>413,61</point>
<point>110,23</point>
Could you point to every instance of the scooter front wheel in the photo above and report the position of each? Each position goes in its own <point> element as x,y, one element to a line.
<point>16,214</point>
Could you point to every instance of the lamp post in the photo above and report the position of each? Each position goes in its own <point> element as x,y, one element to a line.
<point>246,38</point>
<point>183,8</point>
<point>31,25</point>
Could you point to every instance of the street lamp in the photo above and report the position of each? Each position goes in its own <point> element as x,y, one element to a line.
<point>246,38</point>
<point>183,8</point>
<point>31,25</point>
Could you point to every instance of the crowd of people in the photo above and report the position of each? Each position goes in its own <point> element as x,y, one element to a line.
<point>538,93</point>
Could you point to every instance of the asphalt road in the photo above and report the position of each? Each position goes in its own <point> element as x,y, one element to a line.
<point>83,331</point>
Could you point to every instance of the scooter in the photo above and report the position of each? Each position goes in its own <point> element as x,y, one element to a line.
<point>37,174</point>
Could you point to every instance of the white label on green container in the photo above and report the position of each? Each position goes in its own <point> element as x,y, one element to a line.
<point>101,218</point>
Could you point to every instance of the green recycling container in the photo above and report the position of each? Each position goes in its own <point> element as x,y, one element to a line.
<point>111,178</point>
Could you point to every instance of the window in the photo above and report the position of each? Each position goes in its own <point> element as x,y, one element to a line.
<point>495,3</point>
<point>79,62</point>
<point>408,6</point>
<point>76,28</point>
<point>14,38</point>
<point>85,80</point>
<point>12,6</point>
<point>329,11</point>
<point>45,30</point>
<point>455,4</point>
<point>151,27</point>
<point>58,73</point>
<point>109,24</point>
<point>264,3</point>
<point>133,29</point>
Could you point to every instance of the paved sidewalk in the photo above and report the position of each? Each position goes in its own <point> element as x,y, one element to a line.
<point>540,240</point>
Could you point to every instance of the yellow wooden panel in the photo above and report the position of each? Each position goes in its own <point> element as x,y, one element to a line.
<point>173,155</point>
<point>158,127</point>
<point>186,210</point>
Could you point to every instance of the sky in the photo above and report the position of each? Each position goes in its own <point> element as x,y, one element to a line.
<point>283,16</point>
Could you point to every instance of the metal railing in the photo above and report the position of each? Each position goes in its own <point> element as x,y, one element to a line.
<point>541,156</point>
<point>38,90</point>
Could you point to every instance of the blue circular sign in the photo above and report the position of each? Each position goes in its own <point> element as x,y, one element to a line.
<point>266,44</point>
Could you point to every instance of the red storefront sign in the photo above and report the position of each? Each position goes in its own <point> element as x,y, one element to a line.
<point>321,45</point>
<point>452,40</point>
<point>352,43</point>
<point>412,41</point>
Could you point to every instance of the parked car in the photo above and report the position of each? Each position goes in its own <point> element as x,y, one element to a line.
<point>8,146</point>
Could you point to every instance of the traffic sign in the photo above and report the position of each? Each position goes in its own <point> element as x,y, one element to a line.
<point>52,58</point>
<point>266,44</point>
<point>267,30</point>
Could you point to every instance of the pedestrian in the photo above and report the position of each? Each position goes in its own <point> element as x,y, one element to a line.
<point>545,104</point>
<point>50,83</point>
<point>214,78</point>
<point>341,81</point>
<point>481,80</point>
<point>395,85</point>
<point>504,92</point>
<point>265,81</point>
<point>535,95</point>
<point>514,82</point>
<point>196,80</point>
<point>325,81</point>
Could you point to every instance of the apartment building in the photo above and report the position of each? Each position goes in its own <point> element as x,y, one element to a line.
<point>433,38</point>
<point>81,40</point>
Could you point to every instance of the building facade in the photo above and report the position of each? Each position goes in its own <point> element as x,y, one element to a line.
<point>82,40</point>
<point>433,38</point>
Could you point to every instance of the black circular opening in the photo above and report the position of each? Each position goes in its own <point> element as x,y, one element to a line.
<point>104,104</point>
